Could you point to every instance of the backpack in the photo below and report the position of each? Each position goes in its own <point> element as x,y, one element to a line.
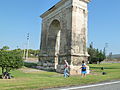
<point>83,68</point>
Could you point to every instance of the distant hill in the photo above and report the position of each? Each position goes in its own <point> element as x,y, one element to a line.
<point>116,56</point>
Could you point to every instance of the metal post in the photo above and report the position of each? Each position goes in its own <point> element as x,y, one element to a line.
<point>27,45</point>
<point>24,54</point>
<point>106,46</point>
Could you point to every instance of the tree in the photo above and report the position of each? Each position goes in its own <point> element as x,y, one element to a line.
<point>5,48</point>
<point>10,60</point>
<point>33,53</point>
<point>95,55</point>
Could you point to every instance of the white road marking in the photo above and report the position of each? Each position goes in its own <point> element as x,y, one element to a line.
<point>80,87</point>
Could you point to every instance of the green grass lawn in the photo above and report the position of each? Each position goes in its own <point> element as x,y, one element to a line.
<point>26,78</point>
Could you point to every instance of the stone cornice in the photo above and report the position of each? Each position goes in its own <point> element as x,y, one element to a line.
<point>56,6</point>
<point>87,1</point>
<point>53,8</point>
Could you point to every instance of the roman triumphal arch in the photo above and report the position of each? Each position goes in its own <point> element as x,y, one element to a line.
<point>64,36</point>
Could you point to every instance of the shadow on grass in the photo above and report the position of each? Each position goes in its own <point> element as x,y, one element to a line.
<point>104,67</point>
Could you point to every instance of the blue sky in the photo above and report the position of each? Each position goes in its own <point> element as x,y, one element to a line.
<point>19,17</point>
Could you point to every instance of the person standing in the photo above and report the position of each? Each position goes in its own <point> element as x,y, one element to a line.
<point>83,70</point>
<point>66,69</point>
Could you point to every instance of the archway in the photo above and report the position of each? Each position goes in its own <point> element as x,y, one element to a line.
<point>54,38</point>
<point>54,41</point>
<point>64,36</point>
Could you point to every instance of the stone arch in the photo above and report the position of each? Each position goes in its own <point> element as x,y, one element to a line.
<point>51,20</point>
<point>53,41</point>
<point>61,36</point>
<point>54,38</point>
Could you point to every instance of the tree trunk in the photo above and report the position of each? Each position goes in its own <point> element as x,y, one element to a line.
<point>2,70</point>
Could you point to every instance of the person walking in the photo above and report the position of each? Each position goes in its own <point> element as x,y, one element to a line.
<point>66,69</point>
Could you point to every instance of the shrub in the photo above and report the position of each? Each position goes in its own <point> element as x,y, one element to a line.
<point>10,60</point>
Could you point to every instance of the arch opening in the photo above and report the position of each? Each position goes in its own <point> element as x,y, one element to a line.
<point>54,38</point>
<point>54,41</point>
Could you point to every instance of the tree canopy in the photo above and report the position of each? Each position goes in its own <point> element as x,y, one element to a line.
<point>10,60</point>
<point>95,54</point>
<point>5,48</point>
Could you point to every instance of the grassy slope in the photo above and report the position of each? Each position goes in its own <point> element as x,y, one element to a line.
<point>37,80</point>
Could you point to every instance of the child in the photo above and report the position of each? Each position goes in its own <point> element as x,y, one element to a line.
<point>83,70</point>
<point>66,69</point>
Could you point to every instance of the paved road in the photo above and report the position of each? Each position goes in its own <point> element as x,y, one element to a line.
<point>102,86</point>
